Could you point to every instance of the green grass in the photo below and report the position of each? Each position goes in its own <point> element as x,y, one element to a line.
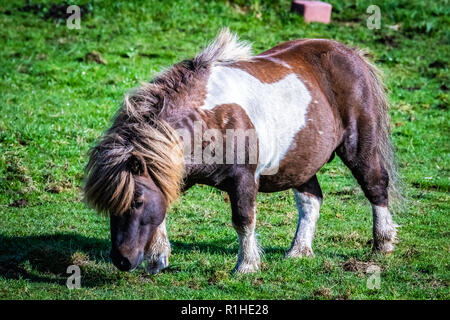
<point>54,105</point>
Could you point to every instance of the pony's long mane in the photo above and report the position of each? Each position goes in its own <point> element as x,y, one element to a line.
<point>138,129</point>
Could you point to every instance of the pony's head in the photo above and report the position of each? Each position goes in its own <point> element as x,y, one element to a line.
<point>133,174</point>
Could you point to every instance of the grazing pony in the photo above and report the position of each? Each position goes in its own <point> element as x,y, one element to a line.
<point>243,124</point>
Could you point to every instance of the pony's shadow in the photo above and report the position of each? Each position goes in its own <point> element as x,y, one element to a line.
<point>219,247</point>
<point>45,258</point>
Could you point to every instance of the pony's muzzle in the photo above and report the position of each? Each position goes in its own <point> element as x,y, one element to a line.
<point>125,263</point>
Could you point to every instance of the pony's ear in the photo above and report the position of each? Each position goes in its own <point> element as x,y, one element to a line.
<point>136,164</point>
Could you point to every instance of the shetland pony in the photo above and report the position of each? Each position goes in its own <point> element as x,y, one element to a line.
<point>243,124</point>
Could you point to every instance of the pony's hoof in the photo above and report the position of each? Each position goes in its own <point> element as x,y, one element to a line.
<point>386,247</point>
<point>299,252</point>
<point>246,267</point>
<point>385,241</point>
<point>158,265</point>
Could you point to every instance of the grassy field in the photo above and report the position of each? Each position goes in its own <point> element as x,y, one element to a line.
<point>56,99</point>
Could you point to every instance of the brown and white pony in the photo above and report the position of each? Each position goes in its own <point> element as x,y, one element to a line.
<point>287,110</point>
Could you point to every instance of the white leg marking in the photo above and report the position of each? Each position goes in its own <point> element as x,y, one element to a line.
<point>249,249</point>
<point>158,256</point>
<point>308,213</point>
<point>384,230</point>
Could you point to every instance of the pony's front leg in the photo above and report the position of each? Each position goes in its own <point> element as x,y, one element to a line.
<point>308,198</point>
<point>243,205</point>
<point>249,249</point>
<point>157,256</point>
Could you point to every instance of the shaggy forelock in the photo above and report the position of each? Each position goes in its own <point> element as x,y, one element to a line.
<point>110,184</point>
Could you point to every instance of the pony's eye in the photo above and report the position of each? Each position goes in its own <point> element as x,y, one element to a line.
<point>138,203</point>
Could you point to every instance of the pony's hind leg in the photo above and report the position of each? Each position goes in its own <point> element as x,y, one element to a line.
<point>308,198</point>
<point>367,168</point>
<point>158,254</point>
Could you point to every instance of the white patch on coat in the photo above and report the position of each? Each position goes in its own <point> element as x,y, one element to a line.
<point>308,207</point>
<point>277,110</point>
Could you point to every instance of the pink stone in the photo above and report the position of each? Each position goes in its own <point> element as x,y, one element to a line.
<point>313,11</point>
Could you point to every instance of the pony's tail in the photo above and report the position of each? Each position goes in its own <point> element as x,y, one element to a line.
<point>384,145</point>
